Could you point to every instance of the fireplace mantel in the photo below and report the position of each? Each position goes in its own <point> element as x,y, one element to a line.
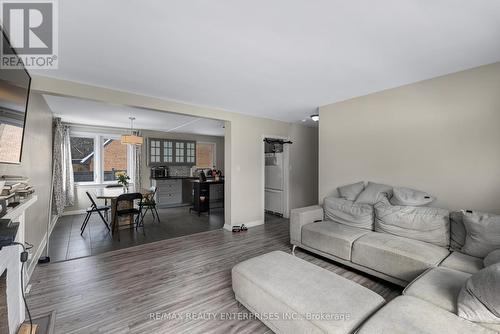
<point>10,261</point>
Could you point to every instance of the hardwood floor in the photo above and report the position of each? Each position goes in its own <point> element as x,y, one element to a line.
<point>116,292</point>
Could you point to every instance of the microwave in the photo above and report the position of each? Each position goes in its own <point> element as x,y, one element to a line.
<point>159,172</point>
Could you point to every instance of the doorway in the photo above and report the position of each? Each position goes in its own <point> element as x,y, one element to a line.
<point>276,180</point>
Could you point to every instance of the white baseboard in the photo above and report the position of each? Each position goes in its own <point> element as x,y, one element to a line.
<point>73,212</point>
<point>38,253</point>
<point>249,224</point>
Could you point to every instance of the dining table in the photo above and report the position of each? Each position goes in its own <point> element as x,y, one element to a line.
<point>112,194</point>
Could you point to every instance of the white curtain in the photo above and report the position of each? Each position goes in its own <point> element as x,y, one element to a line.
<point>63,186</point>
<point>137,165</point>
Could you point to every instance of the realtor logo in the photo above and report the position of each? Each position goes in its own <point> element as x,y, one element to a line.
<point>31,27</point>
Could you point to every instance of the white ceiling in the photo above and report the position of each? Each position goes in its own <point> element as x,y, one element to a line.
<point>85,112</point>
<point>272,58</point>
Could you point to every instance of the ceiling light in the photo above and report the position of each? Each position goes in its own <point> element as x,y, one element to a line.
<point>132,138</point>
<point>315,117</point>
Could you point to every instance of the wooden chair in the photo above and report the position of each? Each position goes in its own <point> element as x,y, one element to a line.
<point>95,208</point>
<point>128,211</point>
<point>149,203</point>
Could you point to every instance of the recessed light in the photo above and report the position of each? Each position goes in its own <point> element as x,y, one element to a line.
<point>315,117</point>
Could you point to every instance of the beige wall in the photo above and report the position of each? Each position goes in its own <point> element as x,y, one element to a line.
<point>244,156</point>
<point>36,164</point>
<point>440,135</point>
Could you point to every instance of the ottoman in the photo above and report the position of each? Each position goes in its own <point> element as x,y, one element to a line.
<point>290,295</point>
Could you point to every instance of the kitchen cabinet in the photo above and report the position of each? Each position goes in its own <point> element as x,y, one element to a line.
<point>169,192</point>
<point>164,152</point>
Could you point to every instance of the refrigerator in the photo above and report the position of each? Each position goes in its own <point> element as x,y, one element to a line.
<point>274,183</point>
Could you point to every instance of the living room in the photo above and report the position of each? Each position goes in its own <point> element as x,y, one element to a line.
<point>390,114</point>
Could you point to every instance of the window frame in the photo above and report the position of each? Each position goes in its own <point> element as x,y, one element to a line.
<point>99,139</point>
<point>214,155</point>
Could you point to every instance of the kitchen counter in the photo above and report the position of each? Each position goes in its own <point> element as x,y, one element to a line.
<point>175,178</point>
<point>212,181</point>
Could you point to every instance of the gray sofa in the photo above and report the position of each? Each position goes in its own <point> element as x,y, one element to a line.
<point>291,295</point>
<point>439,257</point>
<point>394,258</point>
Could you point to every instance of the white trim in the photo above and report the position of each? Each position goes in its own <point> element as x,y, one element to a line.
<point>214,154</point>
<point>254,223</point>
<point>286,174</point>
<point>35,257</point>
<point>249,224</point>
<point>100,138</point>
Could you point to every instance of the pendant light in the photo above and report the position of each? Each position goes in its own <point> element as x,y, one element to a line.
<point>132,138</point>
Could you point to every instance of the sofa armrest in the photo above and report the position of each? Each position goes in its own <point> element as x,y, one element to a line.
<point>302,216</point>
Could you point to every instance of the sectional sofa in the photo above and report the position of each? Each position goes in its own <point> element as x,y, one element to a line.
<point>393,242</point>
<point>449,264</point>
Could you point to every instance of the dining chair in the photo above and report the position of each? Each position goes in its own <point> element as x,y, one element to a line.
<point>95,208</point>
<point>149,203</point>
<point>129,210</point>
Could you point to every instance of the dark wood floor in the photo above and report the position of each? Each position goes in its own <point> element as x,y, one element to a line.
<point>117,291</point>
<point>66,243</point>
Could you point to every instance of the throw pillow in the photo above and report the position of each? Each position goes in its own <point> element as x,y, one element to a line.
<point>492,258</point>
<point>479,299</point>
<point>427,224</point>
<point>457,230</point>
<point>351,191</point>
<point>483,233</point>
<point>410,197</point>
<point>349,213</point>
<point>373,193</point>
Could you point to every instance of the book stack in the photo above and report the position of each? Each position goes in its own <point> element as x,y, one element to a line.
<point>13,186</point>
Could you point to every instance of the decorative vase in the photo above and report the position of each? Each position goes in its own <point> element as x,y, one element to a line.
<point>125,188</point>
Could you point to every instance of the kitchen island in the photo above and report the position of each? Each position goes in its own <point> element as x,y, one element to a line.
<point>207,195</point>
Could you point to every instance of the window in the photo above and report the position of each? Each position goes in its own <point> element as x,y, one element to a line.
<point>115,160</point>
<point>168,151</point>
<point>179,152</point>
<point>155,151</point>
<point>98,157</point>
<point>190,152</point>
<point>82,156</point>
<point>205,155</point>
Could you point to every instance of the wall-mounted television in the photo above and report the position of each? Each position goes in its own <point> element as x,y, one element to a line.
<point>14,93</point>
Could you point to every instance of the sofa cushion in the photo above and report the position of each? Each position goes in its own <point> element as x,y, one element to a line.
<point>395,256</point>
<point>431,225</point>
<point>351,191</point>
<point>349,213</point>
<point>439,286</point>
<point>278,283</point>
<point>411,197</point>
<point>483,233</point>
<point>463,262</point>
<point>406,314</point>
<point>492,258</point>
<point>457,230</point>
<point>332,238</point>
<point>479,298</point>
<point>373,193</point>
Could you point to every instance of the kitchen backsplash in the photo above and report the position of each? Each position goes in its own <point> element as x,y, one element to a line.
<point>179,170</point>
